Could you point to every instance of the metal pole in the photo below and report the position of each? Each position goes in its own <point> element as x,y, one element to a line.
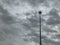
<point>40,24</point>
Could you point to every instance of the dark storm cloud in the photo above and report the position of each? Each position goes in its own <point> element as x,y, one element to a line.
<point>7,19</point>
<point>5,16</point>
<point>54,18</point>
<point>3,11</point>
<point>54,13</point>
<point>57,36</point>
<point>6,30</point>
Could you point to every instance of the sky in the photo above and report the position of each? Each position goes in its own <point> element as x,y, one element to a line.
<point>19,22</point>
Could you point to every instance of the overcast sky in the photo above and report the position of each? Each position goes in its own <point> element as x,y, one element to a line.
<point>19,22</point>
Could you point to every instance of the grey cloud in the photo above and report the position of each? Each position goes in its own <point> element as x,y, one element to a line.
<point>33,2</point>
<point>49,30</point>
<point>5,16</point>
<point>49,42</point>
<point>54,18</point>
<point>52,21</point>
<point>11,31</point>
<point>7,19</point>
<point>54,13</point>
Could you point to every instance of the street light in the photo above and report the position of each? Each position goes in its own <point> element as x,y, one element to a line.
<point>40,12</point>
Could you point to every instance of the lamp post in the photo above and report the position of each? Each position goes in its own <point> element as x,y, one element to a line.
<point>40,12</point>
